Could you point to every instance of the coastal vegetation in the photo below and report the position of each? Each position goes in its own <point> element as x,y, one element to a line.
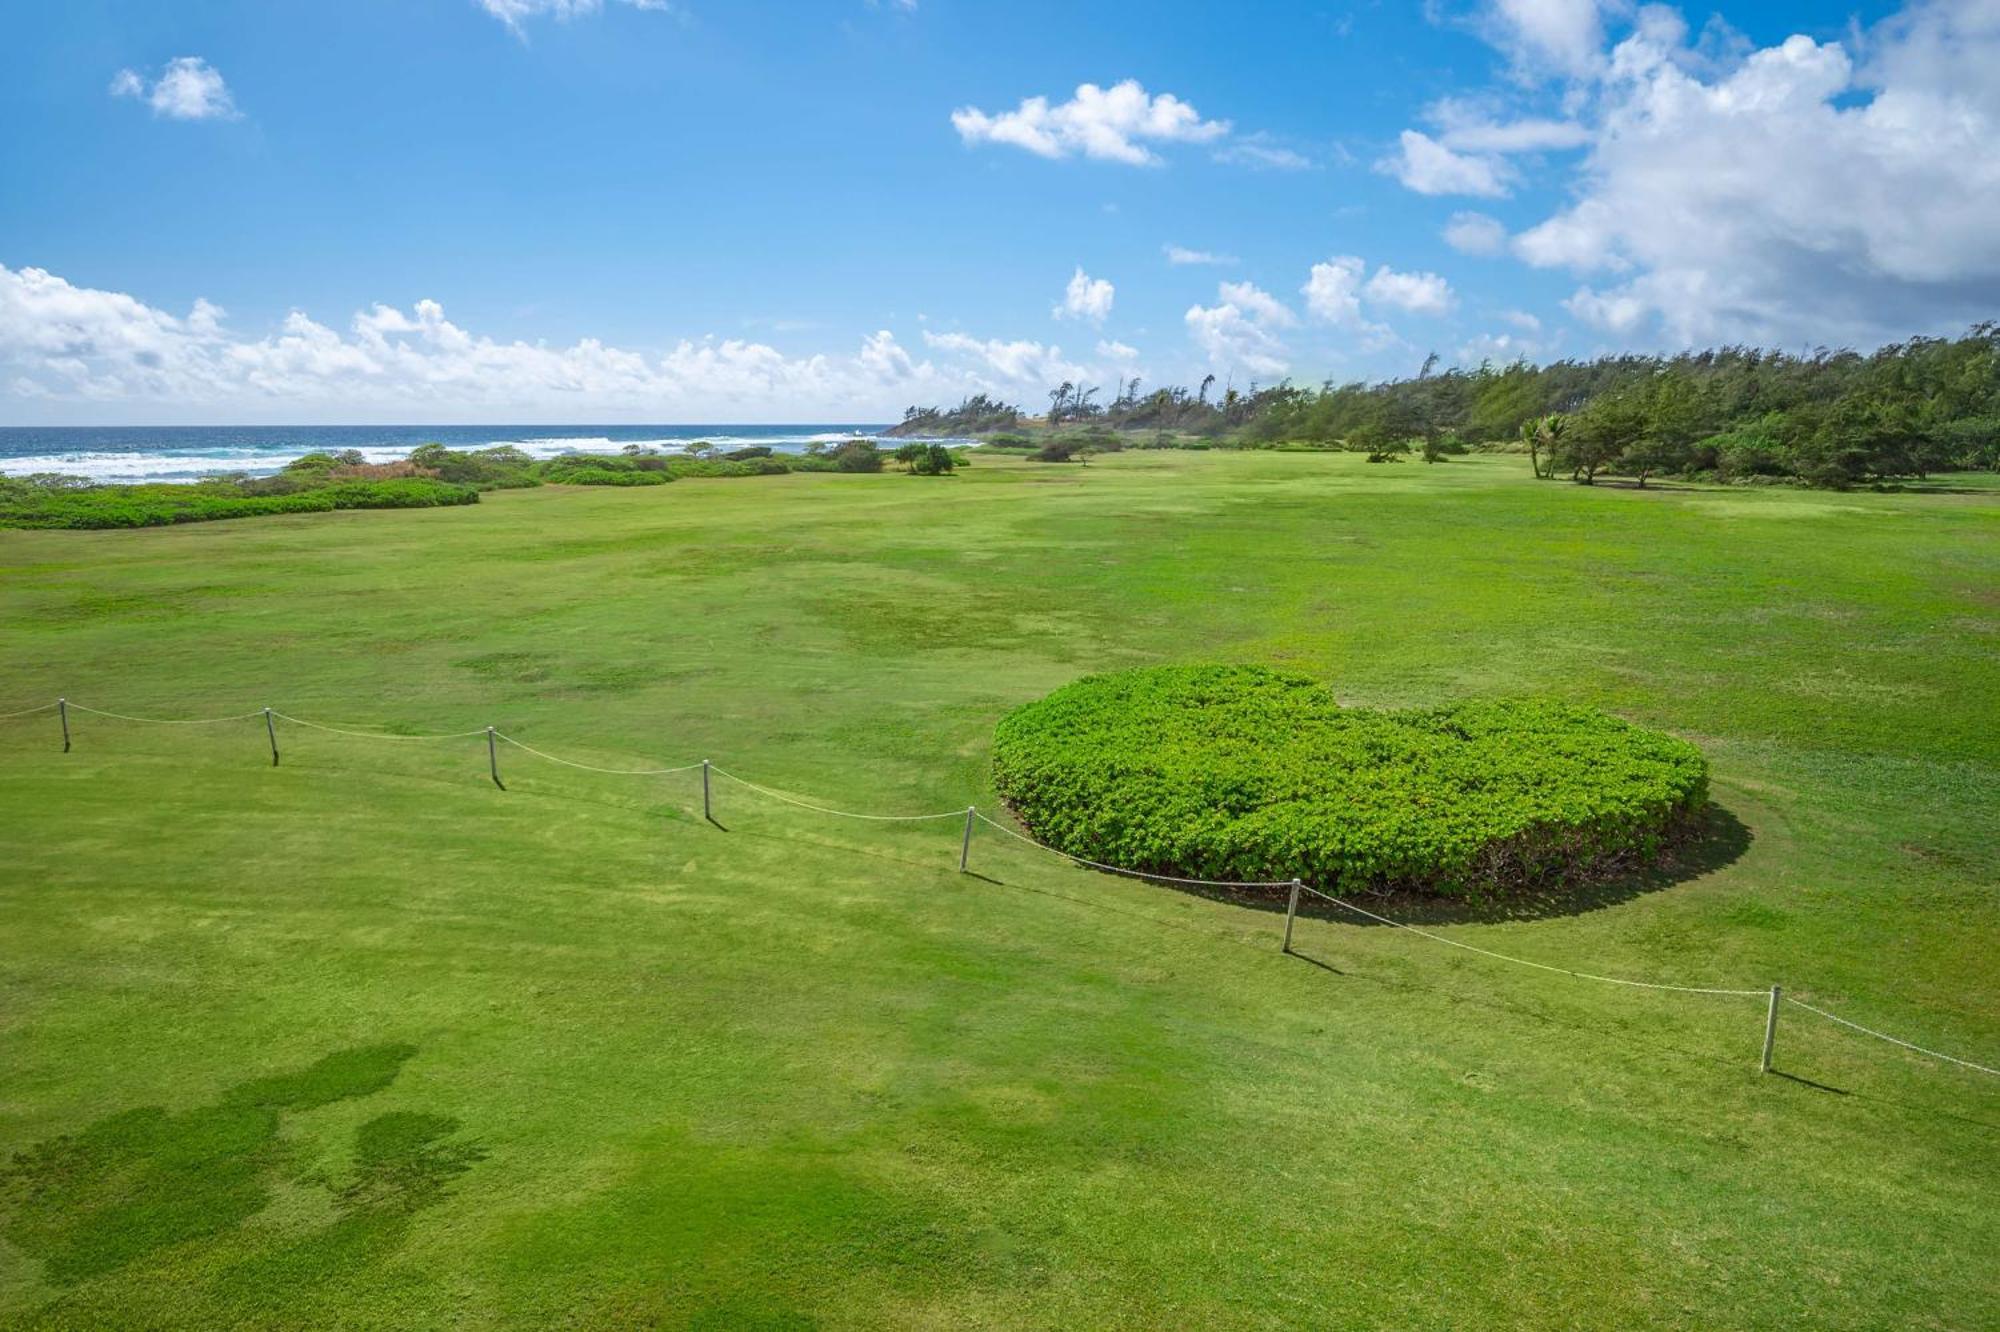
<point>1240,773</point>
<point>362,1040</point>
<point>1828,419</point>
<point>430,476</point>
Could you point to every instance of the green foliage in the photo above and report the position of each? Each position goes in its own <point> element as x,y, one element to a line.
<point>24,503</point>
<point>857,455</point>
<point>1236,772</point>
<point>502,467</point>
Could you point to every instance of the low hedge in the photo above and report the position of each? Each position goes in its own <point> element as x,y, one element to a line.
<point>1241,773</point>
<point>160,505</point>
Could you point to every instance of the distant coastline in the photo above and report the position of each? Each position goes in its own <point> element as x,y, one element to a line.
<point>125,454</point>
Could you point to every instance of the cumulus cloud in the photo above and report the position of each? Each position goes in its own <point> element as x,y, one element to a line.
<point>1427,166</point>
<point>1413,293</point>
<point>1010,367</point>
<point>66,343</point>
<point>1475,233</point>
<point>1801,191</point>
<point>1111,124</point>
<point>1239,332</point>
<point>516,13</point>
<point>1085,298</point>
<point>1180,254</point>
<point>189,88</point>
<point>1561,37</point>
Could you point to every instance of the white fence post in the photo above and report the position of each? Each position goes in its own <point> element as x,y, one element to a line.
<point>965,847</point>
<point>1291,913</point>
<point>493,757</point>
<point>1771,1027</point>
<point>707,806</point>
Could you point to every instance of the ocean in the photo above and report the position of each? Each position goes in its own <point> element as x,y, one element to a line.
<point>187,453</point>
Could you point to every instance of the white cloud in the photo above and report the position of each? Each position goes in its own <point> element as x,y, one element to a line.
<point>1237,333</point>
<point>515,13</point>
<point>1467,127</point>
<point>1086,298</point>
<point>1563,37</point>
<point>189,88</point>
<point>1180,254</point>
<point>89,351</point>
<point>1804,191</point>
<point>1333,291</point>
<point>1475,233</point>
<point>1113,350</point>
<point>1256,151</point>
<point>1010,367</point>
<point>1113,124</point>
<point>1415,293</point>
<point>1428,167</point>
<point>1522,320</point>
<point>1259,304</point>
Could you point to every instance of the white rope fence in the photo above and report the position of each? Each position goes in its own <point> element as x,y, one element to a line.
<point>62,707</point>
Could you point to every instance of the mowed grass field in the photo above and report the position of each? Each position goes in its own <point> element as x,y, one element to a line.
<point>361,1041</point>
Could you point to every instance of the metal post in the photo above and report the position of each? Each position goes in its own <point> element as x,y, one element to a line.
<point>493,757</point>
<point>707,809</point>
<point>62,710</point>
<point>271,729</point>
<point>1291,912</point>
<point>1771,1027</point>
<point>965,847</point>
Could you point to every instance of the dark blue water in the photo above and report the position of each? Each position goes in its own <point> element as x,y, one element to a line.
<point>183,453</point>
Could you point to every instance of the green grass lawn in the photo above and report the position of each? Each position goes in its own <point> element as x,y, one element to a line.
<point>362,1041</point>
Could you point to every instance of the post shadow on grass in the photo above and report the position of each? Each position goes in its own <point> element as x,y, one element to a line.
<point>147,1179</point>
<point>1713,839</point>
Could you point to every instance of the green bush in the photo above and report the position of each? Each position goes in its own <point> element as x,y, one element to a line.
<point>1240,773</point>
<point>27,504</point>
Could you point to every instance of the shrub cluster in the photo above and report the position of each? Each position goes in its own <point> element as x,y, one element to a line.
<point>48,502</point>
<point>1240,773</point>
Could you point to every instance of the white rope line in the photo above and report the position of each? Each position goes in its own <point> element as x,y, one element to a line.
<point>588,767</point>
<point>1522,961</point>
<point>367,735</point>
<point>1022,837</point>
<point>838,813</point>
<point>1132,873</point>
<point>1884,1036</point>
<point>169,721</point>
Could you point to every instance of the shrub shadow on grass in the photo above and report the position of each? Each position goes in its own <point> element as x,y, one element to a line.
<point>1712,840</point>
<point>146,1180</point>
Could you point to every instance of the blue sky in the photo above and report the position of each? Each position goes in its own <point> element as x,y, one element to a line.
<point>434,210</point>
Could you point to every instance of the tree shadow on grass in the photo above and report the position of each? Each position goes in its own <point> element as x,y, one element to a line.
<point>1714,839</point>
<point>147,1179</point>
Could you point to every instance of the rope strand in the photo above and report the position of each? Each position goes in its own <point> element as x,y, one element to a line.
<point>167,721</point>
<point>1522,961</point>
<point>367,735</point>
<point>27,712</point>
<point>1884,1036</point>
<point>837,813</point>
<point>588,767</point>
<point>1132,873</point>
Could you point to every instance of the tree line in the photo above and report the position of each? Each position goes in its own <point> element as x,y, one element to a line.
<point>1826,418</point>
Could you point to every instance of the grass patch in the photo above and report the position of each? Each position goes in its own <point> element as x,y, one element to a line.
<point>802,1072</point>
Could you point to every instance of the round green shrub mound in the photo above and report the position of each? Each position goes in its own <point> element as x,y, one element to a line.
<point>1241,773</point>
